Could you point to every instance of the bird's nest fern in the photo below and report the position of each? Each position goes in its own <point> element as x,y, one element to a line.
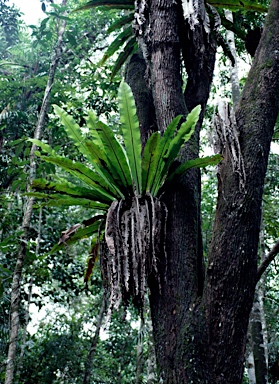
<point>124,184</point>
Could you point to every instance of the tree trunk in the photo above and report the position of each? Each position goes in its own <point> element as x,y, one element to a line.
<point>232,264</point>
<point>140,359</point>
<point>27,310</point>
<point>258,325</point>
<point>91,355</point>
<point>173,325</point>
<point>200,318</point>
<point>16,283</point>
<point>257,330</point>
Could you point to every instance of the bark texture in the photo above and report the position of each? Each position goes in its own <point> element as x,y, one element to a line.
<point>200,319</point>
<point>232,264</point>
<point>173,309</point>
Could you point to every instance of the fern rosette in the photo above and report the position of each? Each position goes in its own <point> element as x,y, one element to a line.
<point>124,184</point>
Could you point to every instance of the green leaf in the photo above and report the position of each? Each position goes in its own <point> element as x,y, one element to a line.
<point>121,22</point>
<point>183,134</point>
<point>72,39</point>
<point>58,200</point>
<point>82,233</point>
<point>73,130</point>
<point>83,173</point>
<point>130,132</point>
<point>162,150</point>
<point>116,157</point>
<point>129,49</point>
<point>236,5</point>
<point>71,189</point>
<point>45,147</point>
<point>117,43</point>
<point>92,121</point>
<point>103,167</point>
<point>113,4</point>
<point>150,161</point>
<point>195,163</point>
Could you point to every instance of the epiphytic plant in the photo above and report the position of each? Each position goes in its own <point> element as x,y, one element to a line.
<point>124,183</point>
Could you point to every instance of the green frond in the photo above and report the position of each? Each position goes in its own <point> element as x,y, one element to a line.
<point>183,134</point>
<point>162,151</point>
<point>81,233</point>
<point>116,157</point>
<point>71,190</point>
<point>117,43</point>
<point>130,48</point>
<point>91,123</point>
<point>195,163</point>
<point>127,19</point>
<point>45,147</point>
<point>113,4</point>
<point>150,161</point>
<point>73,130</point>
<point>102,166</point>
<point>130,132</point>
<point>58,200</point>
<point>236,5</point>
<point>83,173</point>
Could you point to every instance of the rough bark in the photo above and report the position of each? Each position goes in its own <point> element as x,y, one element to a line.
<point>135,76</point>
<point>16,283</point>
<point>200,325</point>
<point>173,325</point>
<point>232,264</point>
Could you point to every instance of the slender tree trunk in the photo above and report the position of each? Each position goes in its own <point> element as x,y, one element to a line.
<point>257,330</point>
<point>16,283</point>
<point>140,360</point>
<point>251,368</point>
<point>91,355</point>
<point>258,325</point>
<point>27,310</point>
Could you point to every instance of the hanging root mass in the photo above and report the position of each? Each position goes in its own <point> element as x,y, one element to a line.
<point>135,242</point>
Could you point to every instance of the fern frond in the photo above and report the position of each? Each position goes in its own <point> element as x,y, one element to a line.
<point>127,19</point>
<point>112,4</point>
<point>130,48</point>
<point>58,200</point>
<point>73,130</point>
<point>130,132</point>
<point>91,123</point>
<point>44,146</point>
<point>83,173</point>
<point>117,43</point>
<point>150,161</point>
<point>116,157</point>
<point>236,5</point>
<point>183,134</point>
<point>162,150</point>
<point>195,163</point>
<point>81,233</point>
<point>71,190</point>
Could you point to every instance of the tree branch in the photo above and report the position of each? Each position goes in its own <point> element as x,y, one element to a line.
<point>267,260</point>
